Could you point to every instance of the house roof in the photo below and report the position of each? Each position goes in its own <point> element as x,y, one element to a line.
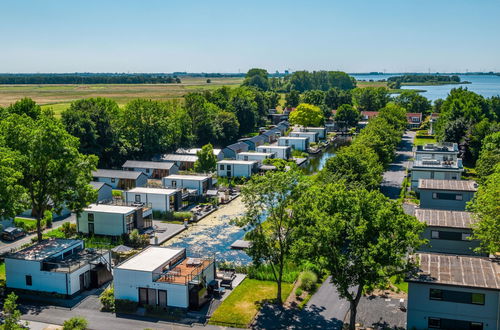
<point>477,272</point>
<point>237,162</point>
<point>442,218</point>
<point>238,145</point>
<point>271,132</point>
<point>273,147</point>
<point>304,132</point>
<point>44,249</point>
<point>294,137</point>
<point>156,191</point>
<point>193,151</point>
<point>109,208</point>
<point>179,158</point>
<point>101,173</point>
<point>148,164</point>
<point>98,185</point>
<point>455,185</point>
<point>250,153</point>
<point>150,258</point>
<point>188,177</point>
<point>414,114</point>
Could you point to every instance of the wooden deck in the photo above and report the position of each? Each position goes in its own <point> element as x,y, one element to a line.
<point>183,273</point>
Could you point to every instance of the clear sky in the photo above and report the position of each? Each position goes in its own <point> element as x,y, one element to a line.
<point>232,36</point>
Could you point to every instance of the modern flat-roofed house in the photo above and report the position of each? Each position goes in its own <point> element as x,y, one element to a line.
<point>200,183</point>
<point>272,135</point>
<point>312,136</point>
<point>163,200</point>
<point>276,118</point>
<point>121,179</point>
<point>297,143</point>
<point>258,156</point>
<point>447,231</point>
<point>154,170</point>
<point>160,276</point>
<point>414,119</point>
<point>446,194</point>
<point>282,152</point>
<point>320,130</point>
<point>183,162</point>
<point>114,220</point>
<point>237,168</point>
<point>104,191</point>
<point>283,126</point>
<point>255,141</point>
<point>454,292</point>
<point>232,150</point>
<point>60,266</point>
<point>193,151</point>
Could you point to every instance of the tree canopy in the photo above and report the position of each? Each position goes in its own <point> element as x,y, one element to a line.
<point>206,159</point>
<point>370,98</point>
<point>257,78</point>
<point>413,102</point>
<point>347,116</point>
<point>306,115</point>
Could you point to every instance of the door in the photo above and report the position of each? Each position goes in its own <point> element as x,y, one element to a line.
<point>82,282</point>
<point>143,296</point>
<point>152,297</point>
<point>162,298</point>
<point>91,229</point>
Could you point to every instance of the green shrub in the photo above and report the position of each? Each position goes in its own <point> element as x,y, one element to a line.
<point>264,272</point>
<point>299,154</point>
<point>137,240</point>
<point>107,299</point>
<point>75,323</point>
<point>47,219</point>
<point>308,280</point>
<point>298,292</point>
<point>180,216</point>
<point>68,229</point>
<point>117,193</point>
<point>125,306</point>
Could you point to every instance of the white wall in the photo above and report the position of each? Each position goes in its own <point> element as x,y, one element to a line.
<point>158,202</point>
<point>295,144</point>
<point>237,170</point>
<point>111,224</point>
<point>312,136</point>
<point>182,183</point>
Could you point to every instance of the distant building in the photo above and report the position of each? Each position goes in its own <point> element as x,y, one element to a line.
<point>183,162</point>
<point>159,276</point>
<point>446,194</point>
<point>258,156</point>
<point>312,136</point>
<point>414,120</point>
<point>104,191</point>
<point>154,170</point>
<point>297,143</point>
<point>447,231</point>
<point>199,183</point>
<point>320,130</point>
<point>255,141</point>
<point>163,200</point>
<point>61,266</point>
<point>121,179</point>
<point>454,292</point>
<point>283,152</point>
<point>232,150</point>
<point>193,151</point>
<point>272,135</point>
<point>237,168</point>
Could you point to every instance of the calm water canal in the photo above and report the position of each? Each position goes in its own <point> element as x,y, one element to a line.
<point>214,235</point>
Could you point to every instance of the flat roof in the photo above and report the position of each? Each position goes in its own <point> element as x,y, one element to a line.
<point>150,258</point>
<point>457,185</point>
<point>109,208</point>
<point>234,161</point>
<point>303,132</point>
<point>44,249</point>
<point>476,272</point>
<point>253,153</point>
<point>443,218</point>
<point>148,164</point>
<point>157,191</point>
<point>179,158</point>
<point>188,177</point>
<point>293,137</point>
<point>273,147</point>
<point>193,151</point>
<point>237,145</point>
<point>101,173</point>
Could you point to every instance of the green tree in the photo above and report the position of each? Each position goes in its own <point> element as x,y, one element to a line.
<point>227,127</point>
<point>292,99</point>
<point>475,137</point>
<point>54,173</point>
<point>206,159</point>
<point>202,115</point>
<point>245,108</point>
<point>13,197</point>
<point>267,200</point>
<point>257,78</point>
<point>489,156</point>
<point>486,209</point>
<point>273,99</point>
<point>335,97</point>
<point>413,102</point>
<point>370,98</point>
<point>347,116</point>
<point>12,315</point>
<point>361,237</point>
<point>306,115</point>
<point>93,121</point>
<point>314,97</point>
<point>25,106</point>
<point>75,323</point>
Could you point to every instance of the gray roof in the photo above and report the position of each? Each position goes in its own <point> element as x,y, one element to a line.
<point>148,164</point>
<point>98,185</point>
<point>132,175</point>
<point>455,185</point>
<point>179,158</point>
<point>44,249</point>
<point>442,218</point>
<point>477,272</point>
<point>238,145</point>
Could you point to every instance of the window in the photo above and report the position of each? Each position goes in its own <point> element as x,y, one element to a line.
<point>229,167</point>
<point>465,236</point>
<point>434,322</point>
<point>90,217</point>
<point>434,234</point>
<point>29,280</point>
<point>476,326</point>
<point>436,294</point>
<point>137,198</point>
<point>174,184</point>
<point>477,298</point>
<point>459,197</point>
<point>447,196</point>
<point>147,170</point>
<point>450,235</point>
<point>129,221</point>
<point>221,167</point>
<point>113,180</point>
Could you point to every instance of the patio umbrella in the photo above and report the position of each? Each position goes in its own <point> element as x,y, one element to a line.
<point>121,249</point>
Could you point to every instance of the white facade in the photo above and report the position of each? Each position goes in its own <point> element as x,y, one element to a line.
<point>320,130</point>
<point>281,152</point>
<point>258,156</point>
<point>297,143</point>
<point>162,200</point>
<point>201,183</point>
<point>236,168</point>
<point>312,136</point>
<point>110,220</point>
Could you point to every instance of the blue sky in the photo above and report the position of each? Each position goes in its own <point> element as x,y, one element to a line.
<point>228,36</point>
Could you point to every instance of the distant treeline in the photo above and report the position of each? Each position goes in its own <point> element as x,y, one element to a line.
<point>418,78</point>
<point>88,78</point>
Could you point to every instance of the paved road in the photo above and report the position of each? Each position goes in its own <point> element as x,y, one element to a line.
<point>6,246</point>
<point>395,174</point>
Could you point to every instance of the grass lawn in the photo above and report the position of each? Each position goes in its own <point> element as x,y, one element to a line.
<point>2,271</point>
<point>420,141</point>
<point>245,301</point>
<point>403,286</point>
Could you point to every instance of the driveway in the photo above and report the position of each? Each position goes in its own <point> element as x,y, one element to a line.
<point>6,246</point>
<point>395,174</point>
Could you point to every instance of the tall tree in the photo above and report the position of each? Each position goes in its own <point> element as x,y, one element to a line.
<point>370,98</point>
<point>273,99</point>
<point>268,199</point>
<point>244,106</point>
<point>206,159</point>
<point>347,116</point>
<point>489,156</point>
<point>314,97</point>
<point>25,106</point>
<point>13,197</point>
<point>413,102</point>
<point>307,115</point>
<point>94,122</point>
<point>257,78</point>
<point>292,99</point>
<point>359,236</point>
<point>335,97</point>
<point>227,128</point>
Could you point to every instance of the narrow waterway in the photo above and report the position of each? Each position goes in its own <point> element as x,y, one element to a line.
<point>214,235</point>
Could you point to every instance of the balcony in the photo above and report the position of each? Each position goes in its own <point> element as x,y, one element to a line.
<point>440,164</point>
<point>76,260</point>
<point>186,271</point>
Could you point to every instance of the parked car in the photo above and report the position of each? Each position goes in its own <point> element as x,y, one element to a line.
<point>12,233</point>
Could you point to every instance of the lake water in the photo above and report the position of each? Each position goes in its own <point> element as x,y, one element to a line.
<point>485,85</point>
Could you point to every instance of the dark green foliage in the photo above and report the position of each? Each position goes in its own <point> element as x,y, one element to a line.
<point>125,306</point>
<point>206,159</point>
<point>292,99</point>
<point>421,78</point>
<point>11,314</point>
<point>335,97</point>
<point>314,97</point>
<point>347,116</point>
<point>25,106</point>
<point>370,98</point>
<point>87,78</point>
<point>257,78</point>
<point>489,156</point>
<point>107,299</point>
<point>308,280</point>
<point>321,80</point>
<point>413,102</point>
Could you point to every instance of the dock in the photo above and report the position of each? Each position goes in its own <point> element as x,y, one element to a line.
<point>240,245</point>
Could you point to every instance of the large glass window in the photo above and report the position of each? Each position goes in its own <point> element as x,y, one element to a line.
<point>90,217</point>
<point>29,280</point>
<point>436,294</point>
<point>457,296</point>
<point>478,298</point>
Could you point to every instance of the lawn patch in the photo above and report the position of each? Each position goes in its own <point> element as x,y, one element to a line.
<point>402,285</point>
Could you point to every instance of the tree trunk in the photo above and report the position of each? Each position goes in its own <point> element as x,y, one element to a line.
<point>39,228</point>
<point>278,295</point>
<point>354,308</point>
